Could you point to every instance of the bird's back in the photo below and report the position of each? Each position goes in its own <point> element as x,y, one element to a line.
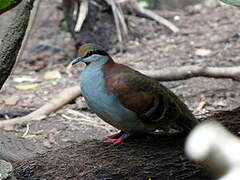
<point>153,102</point>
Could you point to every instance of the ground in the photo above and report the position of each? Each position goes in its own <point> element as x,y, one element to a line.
<point>50,49</point>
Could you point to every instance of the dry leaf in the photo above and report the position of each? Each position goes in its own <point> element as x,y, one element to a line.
<point>47,144</point>
<point>25,79</point>
<point>201,105</point>
<point>12,100</point>
<point>203,52</point>
<point>26,86</point>
<point>55,74</point>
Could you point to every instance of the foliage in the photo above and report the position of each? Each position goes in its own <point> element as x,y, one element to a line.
<point>232,2</point>
<point>5,5</point>
<point>144,4</point>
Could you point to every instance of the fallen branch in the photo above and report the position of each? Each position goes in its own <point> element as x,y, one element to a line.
<point>153,16</point>
<point>56,103</point>
<point>186,72</point>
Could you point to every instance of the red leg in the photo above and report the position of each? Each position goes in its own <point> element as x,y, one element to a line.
<point>118,140</point>
<point>117,135</point>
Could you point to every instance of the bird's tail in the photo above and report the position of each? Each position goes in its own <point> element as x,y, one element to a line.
<point>187,123</point>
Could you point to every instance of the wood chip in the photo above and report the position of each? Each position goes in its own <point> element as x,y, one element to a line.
<point>12,100</point>
<point>55,74</point>
<point>203,52</point>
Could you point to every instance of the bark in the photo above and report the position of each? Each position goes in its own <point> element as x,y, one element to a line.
<point>12,40</point>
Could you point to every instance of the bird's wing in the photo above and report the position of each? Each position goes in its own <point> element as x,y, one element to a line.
<point>145,96</point>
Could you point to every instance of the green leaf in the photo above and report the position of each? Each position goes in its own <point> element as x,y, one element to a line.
<point>143,4</point>
<point>27,86</point>
<point>5,5</point>
<point>232,2</point>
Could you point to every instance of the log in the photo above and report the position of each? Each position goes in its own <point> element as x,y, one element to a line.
<point>149,157</point>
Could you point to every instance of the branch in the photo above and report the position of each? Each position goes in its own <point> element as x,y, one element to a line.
<point>151,15</point>
<point>119,19</point>
<point>56,103</point>
<point>12,40</point>
<point>82,14</point>
<point>186,72</point>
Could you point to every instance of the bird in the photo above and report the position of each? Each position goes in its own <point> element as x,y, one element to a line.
<point>127,99</point>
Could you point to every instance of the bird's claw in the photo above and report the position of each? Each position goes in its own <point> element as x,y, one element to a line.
<point>117,140</point>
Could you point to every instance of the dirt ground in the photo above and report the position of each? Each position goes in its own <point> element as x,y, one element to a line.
<point>50,49</point>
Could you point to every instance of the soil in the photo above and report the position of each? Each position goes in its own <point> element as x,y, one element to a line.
<point>150,46</point>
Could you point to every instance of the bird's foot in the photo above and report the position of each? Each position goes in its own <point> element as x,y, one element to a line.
<point>117,135</point>
<point>119,138</point>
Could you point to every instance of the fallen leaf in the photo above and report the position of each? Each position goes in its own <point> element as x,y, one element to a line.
<point>27,86</point>
<point>12,100</point>
<point>47,144</point>
<point>201,105</point>
<point>55,74</point>
<point>25,79</point>
<point>203,52</point>
<point>66,140</point>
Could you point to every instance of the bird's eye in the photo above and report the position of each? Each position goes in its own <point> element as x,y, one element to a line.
<point>89,53</point>
<point>98,52</point>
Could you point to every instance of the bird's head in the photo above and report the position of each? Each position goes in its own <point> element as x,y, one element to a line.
<point>89,53</point>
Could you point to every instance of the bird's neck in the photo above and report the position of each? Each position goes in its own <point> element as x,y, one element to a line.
<point>100,63</point>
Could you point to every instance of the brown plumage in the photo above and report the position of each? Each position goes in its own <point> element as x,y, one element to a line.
<point>139,93</point>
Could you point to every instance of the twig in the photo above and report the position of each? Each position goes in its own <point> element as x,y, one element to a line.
<point>116,19</point>
<point>57,102</point>
<point>77,113</point>
<point>82,15</point>
<point>27,130</point>
<point>151,15</point>
<point>186,72</point>
<point>87,122</point>
<point>119,19</point>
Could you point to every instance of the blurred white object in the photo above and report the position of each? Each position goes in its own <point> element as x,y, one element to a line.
<point>213,146</point>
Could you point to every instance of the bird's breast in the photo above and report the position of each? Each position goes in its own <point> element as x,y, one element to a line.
<point>105,105</point>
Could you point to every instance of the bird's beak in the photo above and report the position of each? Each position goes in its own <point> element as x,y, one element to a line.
<point>69,67</point>
<point>77,60</point>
